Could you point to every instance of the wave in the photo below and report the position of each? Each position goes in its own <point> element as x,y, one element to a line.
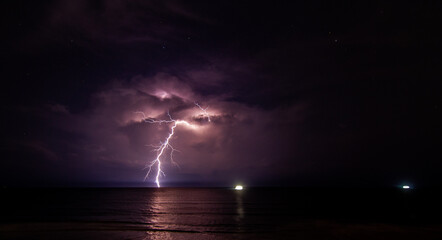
<point>111,226</point>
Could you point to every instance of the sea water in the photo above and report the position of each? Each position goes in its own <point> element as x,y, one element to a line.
<point>217,213</point>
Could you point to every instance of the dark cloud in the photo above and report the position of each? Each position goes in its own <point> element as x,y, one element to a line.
<point>298,94</point>
<point>239,137</point>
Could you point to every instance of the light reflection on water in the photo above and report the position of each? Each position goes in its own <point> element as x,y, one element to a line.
<point>189,213</point>
<point>194,210</point>
<point>239,208</point>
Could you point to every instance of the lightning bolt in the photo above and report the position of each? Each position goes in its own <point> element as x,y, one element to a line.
<point>204,110</point>
<point>161,149</point>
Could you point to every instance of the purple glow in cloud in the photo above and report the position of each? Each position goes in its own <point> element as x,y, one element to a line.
<point>110,135</point>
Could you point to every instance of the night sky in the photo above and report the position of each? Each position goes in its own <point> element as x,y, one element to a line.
<point>320,93</point>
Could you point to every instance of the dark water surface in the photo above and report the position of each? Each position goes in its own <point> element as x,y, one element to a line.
<point>219,213</point>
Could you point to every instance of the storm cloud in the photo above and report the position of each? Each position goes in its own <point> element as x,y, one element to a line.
<point>298,94</point>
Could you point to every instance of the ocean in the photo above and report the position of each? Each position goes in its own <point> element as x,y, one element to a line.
<point>220,213</point>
